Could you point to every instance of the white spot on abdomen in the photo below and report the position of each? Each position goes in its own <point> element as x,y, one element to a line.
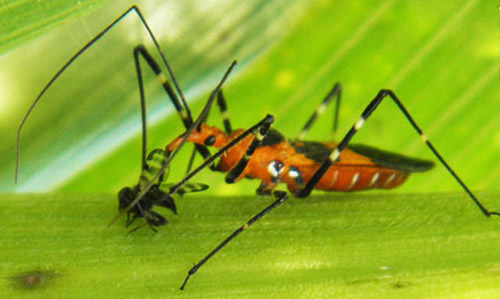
<point>334,178</point>
<point>390,179</point>
<point>354,180</point>
<point>374,179</point>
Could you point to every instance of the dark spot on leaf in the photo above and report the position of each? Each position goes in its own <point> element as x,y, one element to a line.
<point>400,284</point>
<point>32,280</point>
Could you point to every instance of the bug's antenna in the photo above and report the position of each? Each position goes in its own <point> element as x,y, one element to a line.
<point>198,121</point>
<point>54,78</point>
<point>80,52</point>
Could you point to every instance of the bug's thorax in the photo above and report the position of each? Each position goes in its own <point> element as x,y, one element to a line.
<point>202,136</point>
<point>215,137</point>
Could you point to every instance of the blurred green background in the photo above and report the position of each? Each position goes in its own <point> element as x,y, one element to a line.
<point>440,58</point>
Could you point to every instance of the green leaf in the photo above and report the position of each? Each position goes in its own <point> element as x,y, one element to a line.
<point>346,245</point>
<point>24,20</point>
<point>439,57</point>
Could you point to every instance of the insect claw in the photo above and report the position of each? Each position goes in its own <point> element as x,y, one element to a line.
<point>302,193</point>
<point>493,213</point>
<point>269,119</point>
<point>185,282</point>
<point>152,228</point>
<point>135,228</point>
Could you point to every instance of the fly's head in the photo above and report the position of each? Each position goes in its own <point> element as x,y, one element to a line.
<point>143,208</point>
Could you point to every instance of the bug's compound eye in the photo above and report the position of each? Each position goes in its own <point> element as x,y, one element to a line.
<point>210,140</point>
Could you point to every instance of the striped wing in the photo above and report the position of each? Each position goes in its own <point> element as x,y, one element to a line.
<point>186,188</point>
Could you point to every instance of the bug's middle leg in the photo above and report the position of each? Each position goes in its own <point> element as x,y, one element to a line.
<point>336,91</point>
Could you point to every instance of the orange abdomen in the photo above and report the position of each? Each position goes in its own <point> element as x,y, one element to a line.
<point>354,178</point>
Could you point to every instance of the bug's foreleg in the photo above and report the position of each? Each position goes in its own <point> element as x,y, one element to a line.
<point>281,197</point>
<point>259,135</point>
<point>174,152</point>
<point>335,92</point>
<point>140,50</point>
<point>266,121</point>
<point>382,94</point>
<point>221,103</point>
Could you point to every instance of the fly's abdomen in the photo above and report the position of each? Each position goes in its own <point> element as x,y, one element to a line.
<point>154,162</point>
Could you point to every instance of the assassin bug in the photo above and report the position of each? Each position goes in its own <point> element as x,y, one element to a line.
<point>260,152</point>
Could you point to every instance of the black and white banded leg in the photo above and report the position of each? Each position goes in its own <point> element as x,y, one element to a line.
<point>183,111</point>
<point>382,94</point>
<point>281,196</point>
<point>236,171</point>
<point>257,130</point>
<point>221,103</point>
<point>335,92</point>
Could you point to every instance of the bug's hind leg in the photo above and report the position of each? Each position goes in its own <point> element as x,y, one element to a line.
<point>335,92</point>
<point>383,94</point>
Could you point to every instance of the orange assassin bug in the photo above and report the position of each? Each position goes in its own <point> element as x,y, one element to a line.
<point>259,152</point>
